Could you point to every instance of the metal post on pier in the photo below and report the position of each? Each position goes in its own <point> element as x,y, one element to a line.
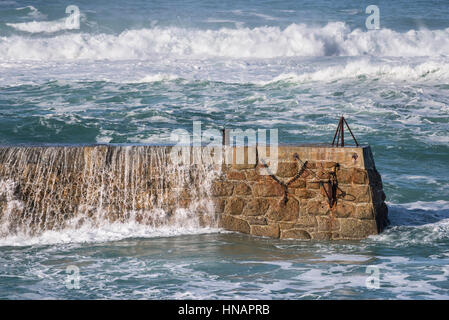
<point>339,136</point>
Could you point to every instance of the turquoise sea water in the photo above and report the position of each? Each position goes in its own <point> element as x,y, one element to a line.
<point>136,71</point>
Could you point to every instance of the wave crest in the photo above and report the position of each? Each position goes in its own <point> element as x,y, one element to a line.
<point>334,39</point>
<point>40,26</point>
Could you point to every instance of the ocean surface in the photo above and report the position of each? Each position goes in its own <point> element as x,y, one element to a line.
<point>134,71</point>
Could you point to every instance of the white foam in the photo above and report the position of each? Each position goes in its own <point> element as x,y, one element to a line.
<point>334,39</point>
<point>437,205</point>
<point>156,78</point>
<point>436,138</point>
<point>237,24</point>
<point>260,72</point>
<point>345,258</point>
<point>107,232</point>
<point>351,11</point>
<point>364,67</point>
<point>40,26</point>
<point>421,235</point>
<point>411,226</point>
<point>263,16</point>
<point>425,179</point>
<point>33,12</point>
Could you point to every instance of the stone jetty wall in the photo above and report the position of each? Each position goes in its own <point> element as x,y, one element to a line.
<point>318,192</point>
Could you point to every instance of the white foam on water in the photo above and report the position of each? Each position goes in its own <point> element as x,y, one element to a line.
<point>283,265</point>
<point>159,119</point>
<point>431,70</point>
<point>334,39</point>
<point>345,258</point>
<point>351,11</point>
<point>437,205</point>
<point>419,223</point>
<point>263,16</point>
<point>40,26</point>
<point>424,235</point>
<point>396,275</point>
<point>425,179</point>
<point>437,139</point>
<point>105,232</point>
<point>248,71</point>
<point>155,78</point>
<point>237,24</point>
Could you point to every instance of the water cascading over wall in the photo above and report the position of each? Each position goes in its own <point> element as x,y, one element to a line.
<point>52,188</point>
<point>317,192</point>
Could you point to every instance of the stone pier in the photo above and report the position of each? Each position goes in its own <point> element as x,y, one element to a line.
<point>318,192</point>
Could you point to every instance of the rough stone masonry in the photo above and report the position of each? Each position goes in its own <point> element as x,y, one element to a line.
<point>318,192</point>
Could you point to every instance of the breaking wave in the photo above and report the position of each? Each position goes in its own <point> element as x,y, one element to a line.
<point>40,26</point>
<point>417,223</point>
<point>364,68</point>
<point>32,12</point>
<point>334,39</point>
